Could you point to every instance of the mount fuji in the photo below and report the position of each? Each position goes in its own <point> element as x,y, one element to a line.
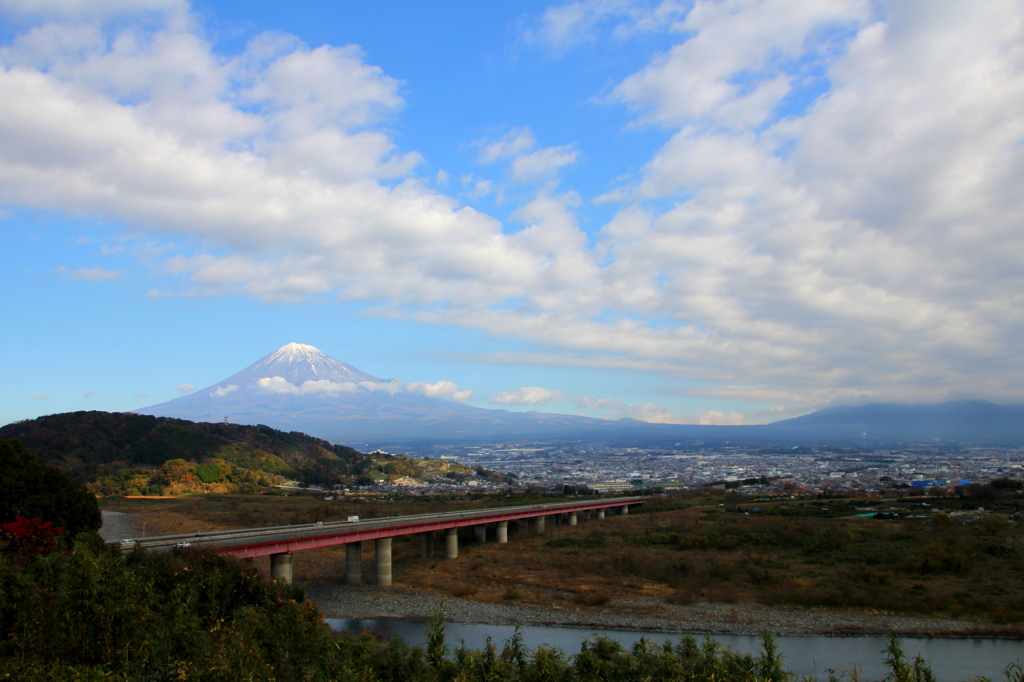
<point>300,388</point>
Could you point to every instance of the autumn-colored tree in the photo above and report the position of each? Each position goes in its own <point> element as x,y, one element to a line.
<point>28,537</point>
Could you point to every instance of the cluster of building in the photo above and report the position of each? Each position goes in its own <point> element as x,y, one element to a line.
<point>743,468</point>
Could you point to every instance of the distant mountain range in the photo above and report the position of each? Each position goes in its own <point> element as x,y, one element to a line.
<point>299,388</point>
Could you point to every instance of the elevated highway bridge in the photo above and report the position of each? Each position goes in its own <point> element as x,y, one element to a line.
<point>280,542</point>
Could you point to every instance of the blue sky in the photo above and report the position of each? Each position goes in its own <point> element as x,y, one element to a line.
<point>710,212</point>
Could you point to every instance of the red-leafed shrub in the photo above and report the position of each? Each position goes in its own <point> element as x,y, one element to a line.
<point>29,537</point>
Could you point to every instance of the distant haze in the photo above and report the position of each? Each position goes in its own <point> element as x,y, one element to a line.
<point>299,388</point>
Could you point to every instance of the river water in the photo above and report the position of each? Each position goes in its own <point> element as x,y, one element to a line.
<point>952,660</point>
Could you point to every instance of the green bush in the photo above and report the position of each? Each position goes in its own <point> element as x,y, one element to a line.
<point>209,473</point>
<point>88,612</point>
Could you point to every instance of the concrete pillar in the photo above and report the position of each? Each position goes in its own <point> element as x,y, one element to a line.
<point>502,532</point>
<point>586,515</point>
<point>354,563</point>
<point>426,544</point>
<point>383,546</point>
<point>451,543</point>
<point>625,509</point>
<point>539,523</point>
<point>572,518</point>
<point>481,533</point>
<point>281,567</point>
<point>600,514</point>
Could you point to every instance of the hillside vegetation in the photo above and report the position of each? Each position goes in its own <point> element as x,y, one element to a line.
<point>89,612</point>
<point>132,454</point>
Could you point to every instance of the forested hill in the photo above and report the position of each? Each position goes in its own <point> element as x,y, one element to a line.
<point>122,452</point>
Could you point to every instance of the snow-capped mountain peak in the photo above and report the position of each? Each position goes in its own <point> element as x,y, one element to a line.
<point>298,363</point>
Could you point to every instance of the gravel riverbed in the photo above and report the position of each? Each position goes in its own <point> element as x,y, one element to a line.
<point>368,602</point>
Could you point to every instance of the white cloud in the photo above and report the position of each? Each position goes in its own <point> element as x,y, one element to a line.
<point>310,387</point>
<point>543,162</point>
<point>324,387</point>
<point>89,394</point>
<point>526,163</point>
<point>441,389</point>
<point>586,21</point>
<point>527,395</point>
<point>93,275</point>
<point>83,8</point>
<point>739,62</point>
<point>481,188</point>
<point>185,388</point>
<point>863,244</point>
<point>511,145</point>
<point>41,396</point>
<point>222,391</point>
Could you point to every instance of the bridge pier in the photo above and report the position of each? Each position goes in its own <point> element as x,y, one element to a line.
<point>426,544</point>
<point>502,532</point>
<point>600,514</point>
<point>383,547</point>
<point>354,563</point>
<point>538,523</point>
<point>451,543</point>
<point>481,533</point>
<point>572,518</point>
<point>625,509</point>
<point>586,515</point>
<point>281,567</point>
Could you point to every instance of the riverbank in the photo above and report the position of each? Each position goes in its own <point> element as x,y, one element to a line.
<point>367,602</point>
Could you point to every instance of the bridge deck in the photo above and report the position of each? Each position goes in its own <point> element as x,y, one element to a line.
<point>254,542</point>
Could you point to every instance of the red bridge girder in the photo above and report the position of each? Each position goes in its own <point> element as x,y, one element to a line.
<point>402,526</point>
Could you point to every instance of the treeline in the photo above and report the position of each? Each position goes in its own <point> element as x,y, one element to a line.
<point>126,453</point>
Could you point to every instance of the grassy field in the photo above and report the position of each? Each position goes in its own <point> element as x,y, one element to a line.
<point>800,553</point>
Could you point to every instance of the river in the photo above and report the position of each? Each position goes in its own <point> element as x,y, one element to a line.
<point>952,660</point>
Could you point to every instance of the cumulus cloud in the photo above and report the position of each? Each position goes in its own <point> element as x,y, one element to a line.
<point>222,391</point>
<point>527,163</point>
<point>586,21</point>
<point>185,388</point>
<point>441,389</point>
<point>324,387</point>
<point>834,217</point>
<point>527,395</point>
<point>40,396</point>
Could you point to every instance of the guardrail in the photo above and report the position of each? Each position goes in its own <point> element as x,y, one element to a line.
<point>228,540</point>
